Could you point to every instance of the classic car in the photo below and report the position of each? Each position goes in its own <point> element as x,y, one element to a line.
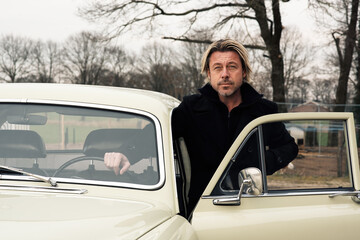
<point>54,183</point>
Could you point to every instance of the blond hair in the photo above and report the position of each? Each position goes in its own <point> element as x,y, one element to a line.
<point>224,45</point>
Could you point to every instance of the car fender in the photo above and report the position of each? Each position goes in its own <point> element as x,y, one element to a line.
<point>176,227</point>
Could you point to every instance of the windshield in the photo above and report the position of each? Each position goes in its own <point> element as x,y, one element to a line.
<point>68,143</point>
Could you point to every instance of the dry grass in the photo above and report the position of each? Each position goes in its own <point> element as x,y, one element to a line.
<point>279,181</point>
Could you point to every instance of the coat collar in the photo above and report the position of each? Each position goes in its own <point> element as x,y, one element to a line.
<point>248,109</point>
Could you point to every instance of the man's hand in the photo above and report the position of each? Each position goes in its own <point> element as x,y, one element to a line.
<point>113,160</point>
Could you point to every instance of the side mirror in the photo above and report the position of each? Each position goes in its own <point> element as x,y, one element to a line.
<point>250,182</point>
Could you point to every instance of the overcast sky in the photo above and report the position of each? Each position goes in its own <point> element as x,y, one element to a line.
<point>56,19</point>
<point>41,19</point>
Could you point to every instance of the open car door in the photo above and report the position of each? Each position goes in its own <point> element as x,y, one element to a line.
<point>315,197</point>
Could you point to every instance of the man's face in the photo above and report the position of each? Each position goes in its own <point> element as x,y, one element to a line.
<point>225,72</point>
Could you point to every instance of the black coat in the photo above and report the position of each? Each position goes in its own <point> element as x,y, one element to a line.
<point>209,130</point>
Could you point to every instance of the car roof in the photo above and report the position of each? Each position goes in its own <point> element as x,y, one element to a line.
<point>145,100</point>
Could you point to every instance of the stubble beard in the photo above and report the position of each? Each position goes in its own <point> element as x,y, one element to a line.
<point>229,90</point>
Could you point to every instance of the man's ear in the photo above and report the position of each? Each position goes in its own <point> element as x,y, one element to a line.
<point>208,74</point>
<point>244,74</point>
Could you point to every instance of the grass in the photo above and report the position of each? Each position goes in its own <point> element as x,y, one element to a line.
<point>285,181</point>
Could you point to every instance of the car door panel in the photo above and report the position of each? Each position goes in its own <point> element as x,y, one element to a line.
<point>289,213</point>
<point>295,217</point>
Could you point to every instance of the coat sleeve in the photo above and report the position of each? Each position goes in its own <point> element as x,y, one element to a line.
<point>141,145</point>
<point>180,117</point>
<point>281,148</point>
<point>178,121</point>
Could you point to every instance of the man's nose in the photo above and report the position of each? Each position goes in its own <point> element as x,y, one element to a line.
<point>225,73</point>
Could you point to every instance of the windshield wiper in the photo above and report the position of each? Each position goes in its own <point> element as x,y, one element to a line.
<point>49,180</point>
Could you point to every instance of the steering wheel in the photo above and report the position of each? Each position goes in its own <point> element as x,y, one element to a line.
<point>127,174</point>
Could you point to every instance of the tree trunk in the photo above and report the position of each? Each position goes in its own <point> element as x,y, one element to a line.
<point>356,110</point>
<point>345,64</point>
<point>345,61</point>
<point>277,79</point>
<point>271,34</point>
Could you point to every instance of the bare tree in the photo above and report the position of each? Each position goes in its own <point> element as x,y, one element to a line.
<point>46,61</point>
<point>324,90</point>
<point>157,70</point>
<point>343,14</point>
<point>191,65</point>
<point>84,59</point>
<point>297,58</point>
<point>118,64</point>
<point>121,16</point>
<point>300,91</point>
<point>14,61</point>
<point>356,110</point>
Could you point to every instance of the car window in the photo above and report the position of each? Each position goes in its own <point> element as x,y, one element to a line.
<point>322,162</point>
<point>247,155</point>
<point>69,143</point>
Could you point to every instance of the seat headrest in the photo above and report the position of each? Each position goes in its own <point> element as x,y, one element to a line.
<point>21,144</point>
<point>101,141</point>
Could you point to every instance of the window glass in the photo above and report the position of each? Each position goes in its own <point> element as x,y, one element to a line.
<point>322,161</point>
<point>247,155</point>
<point>70,142</point>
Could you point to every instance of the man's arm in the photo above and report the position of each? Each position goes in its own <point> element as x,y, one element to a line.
<point>282,148</point>
<point>136,148</point>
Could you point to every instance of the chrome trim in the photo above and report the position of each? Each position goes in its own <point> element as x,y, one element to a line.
<point>233,200</point>
<point>348,151</point>
<point>107,183</point>
<point>350,193</point>
<point>161,159</point>
<point>288,194</point>
<point>262,157</point>
<point>81,181</point>
<point>42,189</point>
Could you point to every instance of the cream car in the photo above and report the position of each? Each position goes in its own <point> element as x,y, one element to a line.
<point>54,184</point>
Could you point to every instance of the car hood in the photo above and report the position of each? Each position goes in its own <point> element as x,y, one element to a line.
<point>49,216</point>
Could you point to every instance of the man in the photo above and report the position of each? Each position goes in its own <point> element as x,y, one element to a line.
<point>210,121</point>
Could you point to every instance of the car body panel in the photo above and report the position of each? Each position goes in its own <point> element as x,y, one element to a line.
<point>283,217</point>
<point>153,102</point>
<point>174,228</point>
<point>77,216</point>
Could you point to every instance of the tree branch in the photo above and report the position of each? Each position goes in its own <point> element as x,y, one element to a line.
<point>186,39</point>
<point>228,18</point>
<point>145,10</point>
<point>196,10</point>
